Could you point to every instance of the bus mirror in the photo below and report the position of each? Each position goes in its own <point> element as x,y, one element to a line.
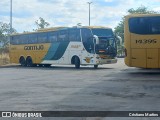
<point>118,38</point>
<point>96,39</point>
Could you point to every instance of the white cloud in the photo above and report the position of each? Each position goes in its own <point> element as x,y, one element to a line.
<point>108,0</point>
<point>68,12</point>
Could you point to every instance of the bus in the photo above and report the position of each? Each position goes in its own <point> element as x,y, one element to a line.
<point>64,46</point>
<point>142,40</point>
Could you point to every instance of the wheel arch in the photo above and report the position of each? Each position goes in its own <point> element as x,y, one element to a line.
<point>21,57</point>
<point>29,56</point>
<point>22,60</point>
<point>73,59</point>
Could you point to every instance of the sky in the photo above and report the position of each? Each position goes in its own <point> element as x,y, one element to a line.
<point>68,13</point>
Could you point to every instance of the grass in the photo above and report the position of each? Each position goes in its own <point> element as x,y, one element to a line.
<point>4,59</point>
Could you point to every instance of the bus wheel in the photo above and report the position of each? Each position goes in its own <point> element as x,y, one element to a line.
<point>77,62</point>
<point>95,66</point>
<point>29,62</point>
<point>22,61</point>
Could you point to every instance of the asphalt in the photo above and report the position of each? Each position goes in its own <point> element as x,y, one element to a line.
<point>113,87</point>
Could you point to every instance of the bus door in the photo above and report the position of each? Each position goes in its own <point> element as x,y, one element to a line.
<point>152,58</point>
<point>138,58</point>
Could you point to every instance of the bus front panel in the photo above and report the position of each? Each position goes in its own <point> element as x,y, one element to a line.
<point>142,41</point>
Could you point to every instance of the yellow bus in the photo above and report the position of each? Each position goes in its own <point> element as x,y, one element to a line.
<point>64,45</point>
<point>142,40</point>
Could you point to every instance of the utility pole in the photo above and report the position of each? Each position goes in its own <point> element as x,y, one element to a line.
<point>89,3</point>
<point>10,16</point>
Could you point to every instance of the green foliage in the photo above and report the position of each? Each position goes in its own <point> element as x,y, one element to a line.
<point>4,36</point>
<point>141,10</point>
<point>41,23</point>
<point>119,29</point>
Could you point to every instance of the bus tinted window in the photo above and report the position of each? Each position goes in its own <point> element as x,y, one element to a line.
<point>32,39</point>
<point>87,39</point>
<point>74,34</point>
<point>14,40</point>
<point>144,25</point>
<point>52,36</point>
<point>42,37</point>
<point>103,32</point>
<point>63,35</point>
<point>24,39</point>
<point>86,34</point>
<point>11,40</point>
<point>19,39</point>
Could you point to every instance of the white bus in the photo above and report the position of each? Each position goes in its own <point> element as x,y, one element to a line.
<point>64,45</point>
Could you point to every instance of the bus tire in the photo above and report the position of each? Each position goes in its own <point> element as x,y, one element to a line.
<point>22,61</point>
<point>95,66</point>
<point>29,62</point>
<point>77,62</point>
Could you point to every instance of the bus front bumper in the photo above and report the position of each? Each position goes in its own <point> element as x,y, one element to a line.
<point>107,61</point>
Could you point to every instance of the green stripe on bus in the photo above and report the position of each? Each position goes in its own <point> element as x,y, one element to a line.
<point>56,51</point>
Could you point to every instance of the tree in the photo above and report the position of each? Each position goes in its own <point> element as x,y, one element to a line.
<point>119,29</point>
<point>4,36</point>
<point>41,23</point>
<point>141,10</point>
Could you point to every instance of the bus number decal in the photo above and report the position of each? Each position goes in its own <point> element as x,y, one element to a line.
<point>146,41</point>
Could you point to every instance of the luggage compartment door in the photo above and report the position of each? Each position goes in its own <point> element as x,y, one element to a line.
<point>138,58</point>
<point>152,58</point>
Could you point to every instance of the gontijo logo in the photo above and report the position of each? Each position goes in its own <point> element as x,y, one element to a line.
<point>35,47</point>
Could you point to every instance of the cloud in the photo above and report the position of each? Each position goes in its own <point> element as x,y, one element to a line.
<point>68,12</point>
<point>108,0</point>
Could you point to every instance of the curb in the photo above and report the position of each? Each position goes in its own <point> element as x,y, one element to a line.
<point>9,66</point>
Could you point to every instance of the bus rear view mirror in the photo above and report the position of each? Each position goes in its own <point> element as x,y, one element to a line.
<point>96,39</point>
<point>118,38</point>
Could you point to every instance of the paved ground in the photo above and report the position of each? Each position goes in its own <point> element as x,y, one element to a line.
<point>113,87</point>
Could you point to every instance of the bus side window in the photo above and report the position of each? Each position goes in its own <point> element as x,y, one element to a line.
<point>86,34</point>
<point>63,35</point>
<point>87,39</point>
<point>32,39</point>
<point>23,39</point>
<point>74,34</point>
<point>42,37</point>
<point>18,40</point>
<point>78,35</point>
<point>13,40</point>
<point>52,36</point>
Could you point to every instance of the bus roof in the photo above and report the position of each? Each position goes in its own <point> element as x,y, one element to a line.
<point>59,28</point>
<point>141,15</point>
<point>92,27</point>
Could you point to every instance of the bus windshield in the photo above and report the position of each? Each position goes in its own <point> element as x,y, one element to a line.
<point>103,32</point>
<point>145,25</point>
<point>107,41</point>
